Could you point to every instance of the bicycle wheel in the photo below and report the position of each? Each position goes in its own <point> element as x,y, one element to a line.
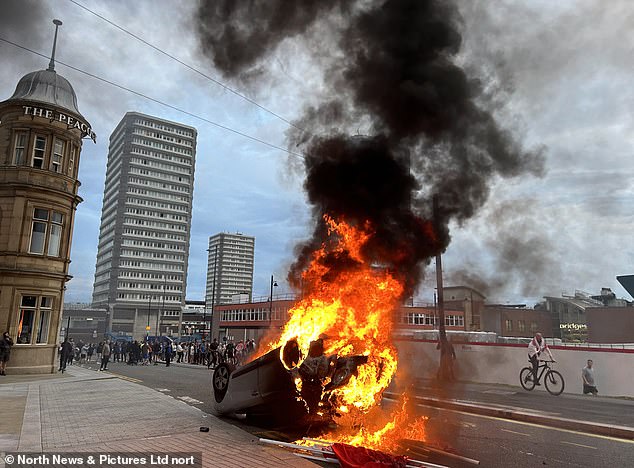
<point>554,382</point>
<point>526,378</point>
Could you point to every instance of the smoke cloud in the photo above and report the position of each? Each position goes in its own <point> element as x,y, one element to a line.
<point>394,69</point>
<point>26,15</point>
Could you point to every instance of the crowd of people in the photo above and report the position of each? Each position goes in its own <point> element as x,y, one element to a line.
<point>148,352</point>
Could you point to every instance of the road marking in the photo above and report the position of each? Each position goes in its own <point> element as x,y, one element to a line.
<point>500,392</point>
<point>164,390</point>
<point>191,400</point>
<point>514,432</point>
<point>511,421</point>
<point>125,377</point>
<point>579,445</point>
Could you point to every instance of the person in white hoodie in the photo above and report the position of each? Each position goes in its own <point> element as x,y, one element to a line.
<point>537,346</point>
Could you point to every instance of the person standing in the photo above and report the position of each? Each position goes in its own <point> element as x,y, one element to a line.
<point>99,348</point>
<point>179,352</point>
<point>536,346</point>
<point>168,354</point>
<point>65,354</point>
<point>91,351</point>
<point>156,350</point>
<point>105,356</point>
<point>5,351</point>
<point>589,382</point>
<point>83,353</point>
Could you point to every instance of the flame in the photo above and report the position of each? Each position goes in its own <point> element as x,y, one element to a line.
<point>353,309</point>
<point>385,436</point>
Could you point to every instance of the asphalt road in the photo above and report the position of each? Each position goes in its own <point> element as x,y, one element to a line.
<point>495,442</point>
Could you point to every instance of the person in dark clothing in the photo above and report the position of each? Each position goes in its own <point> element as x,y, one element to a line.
<point>213,359</point>
<point>168,354</point>
<point>156,351</point>
<point>91,351</point>
<point>5,351</point>
<point>66,352</point>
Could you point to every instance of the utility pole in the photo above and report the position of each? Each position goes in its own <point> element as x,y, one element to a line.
<point>273,283</point>
<point>447,353</point>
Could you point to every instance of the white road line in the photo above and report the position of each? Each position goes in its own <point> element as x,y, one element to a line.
<point>191,400</point>
<point>579,445</point>
<point>514,432</point>
<point>511,421</point>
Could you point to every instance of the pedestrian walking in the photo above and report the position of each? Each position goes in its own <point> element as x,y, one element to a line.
<point>105,356</point>
<point>91,351</point>
<point>5,351</point>
<point>589,382</point>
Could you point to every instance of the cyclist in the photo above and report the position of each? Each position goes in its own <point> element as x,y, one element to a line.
<point>536,346</point>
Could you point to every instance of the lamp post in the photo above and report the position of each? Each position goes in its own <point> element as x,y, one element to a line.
<point>273,283</point>
<point>162,311</point>
<point>213,292</point>
<point>147,328</point>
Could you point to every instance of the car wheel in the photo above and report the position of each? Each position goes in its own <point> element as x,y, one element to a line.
<point>220,381</point>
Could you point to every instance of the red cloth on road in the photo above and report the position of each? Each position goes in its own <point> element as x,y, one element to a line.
<point>361,457</point>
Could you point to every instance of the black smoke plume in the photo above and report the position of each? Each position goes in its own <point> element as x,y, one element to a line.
<point>430,132</point>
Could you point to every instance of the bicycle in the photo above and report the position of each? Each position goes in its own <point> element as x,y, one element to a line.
<point>554,380</point>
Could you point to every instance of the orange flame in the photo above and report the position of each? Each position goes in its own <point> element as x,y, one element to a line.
<point>353,309</point>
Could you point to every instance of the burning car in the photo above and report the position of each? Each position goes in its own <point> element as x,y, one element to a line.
<point>268,385</point>
<point>260,388</point>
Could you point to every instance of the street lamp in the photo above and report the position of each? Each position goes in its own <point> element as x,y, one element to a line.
<point>273,283</point>
<point>213,294</point>
<point>147,328</point>
<point>162,311</point>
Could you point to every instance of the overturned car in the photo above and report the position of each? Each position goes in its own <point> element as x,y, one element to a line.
<point>276,386</point>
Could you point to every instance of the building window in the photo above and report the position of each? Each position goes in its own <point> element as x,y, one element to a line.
<point>42,225</point>
<point>521,326</point>
<point>39,151</point>
<point>58,155</point>
<point>534,327</point>
<point>71,161</point>
<point>38,231</point>
<point>20,148</point>
<point>509,325</point>
<point>55,239</point>
<point>27,319</point>
<point>44,321</point>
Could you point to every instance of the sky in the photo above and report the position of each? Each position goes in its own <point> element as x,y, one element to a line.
<point>557,75</point>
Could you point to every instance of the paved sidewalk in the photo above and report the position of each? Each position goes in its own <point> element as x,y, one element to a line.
<point>88,411</point>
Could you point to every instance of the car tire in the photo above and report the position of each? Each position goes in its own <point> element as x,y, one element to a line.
<point>220,381</point>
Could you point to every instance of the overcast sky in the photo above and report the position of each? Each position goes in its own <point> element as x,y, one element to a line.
<point>559,75</point>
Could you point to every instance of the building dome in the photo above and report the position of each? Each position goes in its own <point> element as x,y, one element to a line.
<point>46,86</point>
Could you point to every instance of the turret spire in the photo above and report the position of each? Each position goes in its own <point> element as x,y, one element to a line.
<point>51,64</point>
